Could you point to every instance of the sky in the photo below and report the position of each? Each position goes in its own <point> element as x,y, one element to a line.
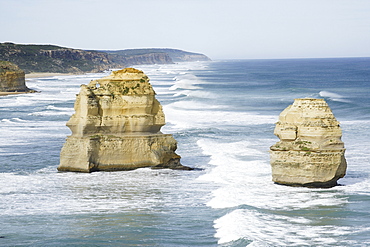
<point>221,29</point>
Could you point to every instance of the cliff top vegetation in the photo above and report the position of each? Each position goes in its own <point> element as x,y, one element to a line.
<point>8,66</point>
<point>57,59</point>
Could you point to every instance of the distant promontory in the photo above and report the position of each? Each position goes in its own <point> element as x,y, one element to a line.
<point>57,59</point>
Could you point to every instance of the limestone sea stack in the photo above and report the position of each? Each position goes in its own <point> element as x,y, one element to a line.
<point>116,126</point>
<point>310,151</point>
<point>12,78</point>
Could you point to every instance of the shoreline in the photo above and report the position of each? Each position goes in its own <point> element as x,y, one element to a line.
<point>11,93</point>
<point>45,74</point>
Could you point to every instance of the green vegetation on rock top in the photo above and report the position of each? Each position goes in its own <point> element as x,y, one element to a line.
<point>8,66</point>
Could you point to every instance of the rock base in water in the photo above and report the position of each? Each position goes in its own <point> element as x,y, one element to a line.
<point>119,153</point>
<point>309,169</point>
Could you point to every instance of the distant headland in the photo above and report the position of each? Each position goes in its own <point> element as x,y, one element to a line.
<point>56,59</point>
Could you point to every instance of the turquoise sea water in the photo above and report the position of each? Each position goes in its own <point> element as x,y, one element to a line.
<point>222,114</point>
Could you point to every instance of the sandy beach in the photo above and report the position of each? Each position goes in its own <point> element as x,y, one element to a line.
<point>40,75</point>
<point>10,93</point>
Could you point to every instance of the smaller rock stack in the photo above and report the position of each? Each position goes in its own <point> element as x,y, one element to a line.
<point>12,78</point>
<point>310,151</point>
<point>116,126</point>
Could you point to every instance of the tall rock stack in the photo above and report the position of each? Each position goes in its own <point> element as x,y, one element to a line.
<point>310,151</point>
<point>116,126</point>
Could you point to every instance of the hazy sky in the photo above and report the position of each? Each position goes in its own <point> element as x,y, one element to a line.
<point>217,28</point>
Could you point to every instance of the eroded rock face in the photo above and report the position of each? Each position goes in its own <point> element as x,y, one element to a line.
<point>310,151</point>
<point>12,78</point>
<point>116,126</point>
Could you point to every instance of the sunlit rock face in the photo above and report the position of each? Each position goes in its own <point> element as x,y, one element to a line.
<point>116,126</point>
<point>12,78</point>
<point>310,151</point>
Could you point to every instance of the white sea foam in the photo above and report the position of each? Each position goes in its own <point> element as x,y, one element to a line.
<point>14,122</point>
<point>184,84</point>
<point>48,192</point>
<point>333,96</point>
<point>178,79</point>
<point>17,100</point>
<point>19,132</point>
<point>195,94</point>
<point>279,230</point>
<point>19,120</point>
<point>362,123</point>
<point>51,113</point>
<point>6,120</point>
<point>52,107</point>
<point>162,91</point>
<point>361,187</point>
<point>6,153</point>
<point>186,81</point>
<point>194,105</point>
<point>183,67</point>
<point>188,118</point>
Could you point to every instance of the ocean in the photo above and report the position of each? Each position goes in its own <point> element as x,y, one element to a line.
<point>222,114</point>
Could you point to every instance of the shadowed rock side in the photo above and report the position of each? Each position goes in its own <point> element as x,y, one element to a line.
<point>310,151</point>
<point>116,126</point>
<point>12,78</point>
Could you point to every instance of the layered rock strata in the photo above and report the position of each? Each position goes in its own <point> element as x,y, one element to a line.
<point>116,126</point>
<point>12,78</point>
<point>310,151</point>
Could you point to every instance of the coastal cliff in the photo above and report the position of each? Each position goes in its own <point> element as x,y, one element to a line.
<point>116,126</point>
<point>12,78</point>
<point>138,59</point>
<point>310,151</point>
<point>56,59</point>
<point>174,54</point>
